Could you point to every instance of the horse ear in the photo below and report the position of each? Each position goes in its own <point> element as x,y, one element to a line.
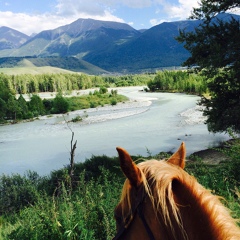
<point>178,158</point>
<point>129,168</point>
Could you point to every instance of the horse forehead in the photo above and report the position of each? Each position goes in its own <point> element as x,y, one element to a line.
<point>153,164</point>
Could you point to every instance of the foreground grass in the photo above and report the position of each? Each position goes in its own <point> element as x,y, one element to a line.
<point>34,207</point>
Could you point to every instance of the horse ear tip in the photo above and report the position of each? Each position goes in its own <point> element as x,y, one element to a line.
<point>183,146</point>
<point>119,149</point>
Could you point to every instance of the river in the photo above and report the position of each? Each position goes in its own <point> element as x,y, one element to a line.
<point>151,122</point>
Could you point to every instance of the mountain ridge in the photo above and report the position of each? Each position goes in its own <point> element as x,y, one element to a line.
<point>111,46</point>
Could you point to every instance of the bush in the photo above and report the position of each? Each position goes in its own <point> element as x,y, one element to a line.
<point>113,101</point>
<point>103,90</point>
<point>77,119</point>
<point>18,191</point>
<point>60,104</point>
<point>86,214</point>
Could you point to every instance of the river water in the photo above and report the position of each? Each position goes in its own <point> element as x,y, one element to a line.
<point>151,122</point>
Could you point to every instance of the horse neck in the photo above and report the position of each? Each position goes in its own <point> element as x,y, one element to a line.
<point>202,214</point>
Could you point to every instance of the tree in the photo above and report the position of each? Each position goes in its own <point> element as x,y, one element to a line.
<point>13,107</point>
<point>36,106</point>
<point>3,109</point>
<point>60,104</point>
<point>23,107</point>
<point>215,52</point>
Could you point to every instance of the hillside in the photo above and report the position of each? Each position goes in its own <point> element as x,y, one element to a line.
<point>154,48</point>
<point>48,64</point>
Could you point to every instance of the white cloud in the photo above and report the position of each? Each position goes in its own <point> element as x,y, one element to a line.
<point>155,21</point>
<point>75,7</point>
<point>136,3</point>
<point>180,11</point>
<point>67,11</point>
<point>130,23</point>
<point>35,23</point>
<point>29,23</point>
<point>183,9</point>
<point>93,7</point>
<point>235,11</point>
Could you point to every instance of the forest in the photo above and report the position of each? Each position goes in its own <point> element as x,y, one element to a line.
<point>14,109</point>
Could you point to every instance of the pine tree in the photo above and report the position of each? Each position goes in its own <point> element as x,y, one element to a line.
<point>215,52</point>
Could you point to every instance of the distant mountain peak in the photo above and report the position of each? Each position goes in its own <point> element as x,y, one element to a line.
<point>11,38</point>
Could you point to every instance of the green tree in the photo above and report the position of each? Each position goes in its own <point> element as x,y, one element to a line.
<point>5,90</point>
<point>3,109</point>
<point>13,107</point>
<point>36,106</point>
<point>23,107</point>
<point>215,52</point>
<point>60,104</point>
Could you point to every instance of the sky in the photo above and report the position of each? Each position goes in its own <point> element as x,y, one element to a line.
<point>34,16</point>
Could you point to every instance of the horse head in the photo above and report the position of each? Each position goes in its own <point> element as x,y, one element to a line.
<point>160,200</point>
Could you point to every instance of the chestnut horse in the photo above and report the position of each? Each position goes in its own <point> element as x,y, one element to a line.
<point>161,201</point>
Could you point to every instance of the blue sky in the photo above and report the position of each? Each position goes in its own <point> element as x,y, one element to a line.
<point>33,16</point>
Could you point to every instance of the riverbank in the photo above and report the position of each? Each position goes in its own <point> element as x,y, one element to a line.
<point>148,122</point>
<point>135,105</point>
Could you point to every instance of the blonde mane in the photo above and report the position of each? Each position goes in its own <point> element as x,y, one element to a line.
<point>159,180</point>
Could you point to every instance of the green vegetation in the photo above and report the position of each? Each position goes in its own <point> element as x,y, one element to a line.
<point>18,109</point>
<point>63,82</point>
<point>214,48</point>
<point>81,206</point>
<point>15,110</point>
<point>178,81</point>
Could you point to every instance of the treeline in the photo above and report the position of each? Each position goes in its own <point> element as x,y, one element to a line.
<point>28,83</point>
<point>14,109</point>
<point>81,206</point>
<point>178,81</point>
<point>18,109</point>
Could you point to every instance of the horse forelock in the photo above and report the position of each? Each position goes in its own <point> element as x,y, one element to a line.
<point>160,176</point>
<point>157,178</point>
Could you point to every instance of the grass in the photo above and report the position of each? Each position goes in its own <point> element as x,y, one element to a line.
<point>33,70</point>
<point>94,100</point>
<point>34,207</point>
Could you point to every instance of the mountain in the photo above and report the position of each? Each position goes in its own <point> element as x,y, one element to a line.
<point>10,38</point>
<point>77,39</point>
<point>112,46</point>
<point>154,48</point>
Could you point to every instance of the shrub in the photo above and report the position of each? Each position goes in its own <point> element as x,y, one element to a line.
<point>60,104</point>
<point>18,191</point>
<point>113,101</point>
<point>77,119</point>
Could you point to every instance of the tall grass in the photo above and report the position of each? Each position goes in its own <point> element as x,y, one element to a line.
<point>85,214</point>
